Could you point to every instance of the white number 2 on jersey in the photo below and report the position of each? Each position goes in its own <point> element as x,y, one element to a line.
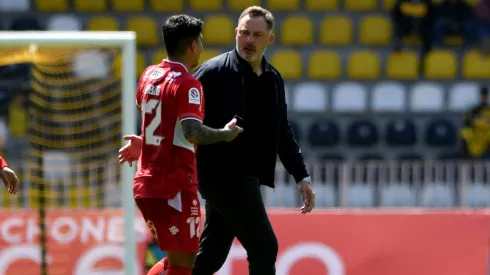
<point>194,227</point>
<point>149,107</point>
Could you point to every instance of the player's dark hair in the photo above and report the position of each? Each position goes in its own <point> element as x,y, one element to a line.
<point>178,33</point>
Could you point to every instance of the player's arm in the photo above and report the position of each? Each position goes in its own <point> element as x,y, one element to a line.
<point>198,133</point>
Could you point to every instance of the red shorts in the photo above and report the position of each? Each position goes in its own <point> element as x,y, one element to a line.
<point>175,223</point>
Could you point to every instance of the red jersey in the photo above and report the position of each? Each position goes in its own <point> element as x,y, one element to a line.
<point>167,94</point>
<point>3,163</point>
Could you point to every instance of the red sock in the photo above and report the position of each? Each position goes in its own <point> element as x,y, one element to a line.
<point>178,270</point>
<point>159,267</point>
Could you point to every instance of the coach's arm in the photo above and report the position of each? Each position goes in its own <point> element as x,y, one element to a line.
<point>288,148</point>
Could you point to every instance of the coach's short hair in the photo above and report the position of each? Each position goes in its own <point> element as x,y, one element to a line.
<point>256,11</point>
<point>178,33</point>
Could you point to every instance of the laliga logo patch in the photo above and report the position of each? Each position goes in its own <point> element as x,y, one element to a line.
<point>194,96</point>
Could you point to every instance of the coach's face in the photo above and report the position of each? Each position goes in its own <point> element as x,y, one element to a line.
<point>253,37</point>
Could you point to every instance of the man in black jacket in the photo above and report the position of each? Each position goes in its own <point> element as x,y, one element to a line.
<point>241,83</point>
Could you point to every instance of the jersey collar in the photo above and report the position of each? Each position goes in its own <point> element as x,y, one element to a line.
<point>176,63</point>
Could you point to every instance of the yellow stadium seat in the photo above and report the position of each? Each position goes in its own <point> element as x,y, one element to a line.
<point>324,65</point>
<point>208,54</point>
<point>90,5</point>
<point>239,5</point>
<point>102,23</point>
<point>321,5</point>
<point>282,5</point>
<point>297,30</point>
<point>219,30</point>
<point>207,5</point>
<point>440,64</point>
<point>288,63</point>
<point>360,5</point>
<point>145,28</point>
<point>174,5</point>
<point>128,5</point>
<point>336,30</point>
<point>363,65</point>
<point>388,4</point>
<point>159,55</point>
<point>402,66</point>
<point>51,5</point>
<point>476,66</point>
<point>141,64</point>
<point>375,30</point>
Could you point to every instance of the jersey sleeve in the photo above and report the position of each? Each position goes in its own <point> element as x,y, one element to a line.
<point>190,100</point>
<point>3,163</point>
<point>139,90</point>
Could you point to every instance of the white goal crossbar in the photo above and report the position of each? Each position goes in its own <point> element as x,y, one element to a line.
<point>127,42</point>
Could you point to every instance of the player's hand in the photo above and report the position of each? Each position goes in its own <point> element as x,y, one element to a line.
<point>131,151</point>
<point>308,196</point>
<point>10,180</point>
<point>232,130</point>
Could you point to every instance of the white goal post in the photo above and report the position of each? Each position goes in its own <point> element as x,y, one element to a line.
<point>126,41</point>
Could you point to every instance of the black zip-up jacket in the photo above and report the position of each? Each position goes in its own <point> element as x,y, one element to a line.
<point>232,88</point>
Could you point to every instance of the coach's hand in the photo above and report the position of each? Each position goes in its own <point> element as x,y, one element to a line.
<point>10,180</point>
<point>132,150</point>
<point>308,196</point>
<point>232,130</point>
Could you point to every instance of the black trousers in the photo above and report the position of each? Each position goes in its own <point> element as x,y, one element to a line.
<point>236,209</point>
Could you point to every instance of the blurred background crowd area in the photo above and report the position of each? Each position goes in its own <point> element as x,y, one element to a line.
<point>367,81</point>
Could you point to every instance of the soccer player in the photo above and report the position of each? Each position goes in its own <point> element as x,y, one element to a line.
<point>172,109</point>
<point>9,177</point>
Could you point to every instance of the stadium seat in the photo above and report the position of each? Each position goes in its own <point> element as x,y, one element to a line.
<point>363,65</point>
<point>426,97</point>
<point>477,195</point>
<point>25,24</point>
<point>18,5</point>
<point>240,5</point>
<point>297,30</point>
<point>440,64</point>
<point>324,133</point>
<point>218,30</point>
<point>388,4</point>
<point>322,5</point>
<point>388,97</point>
<point>51,5</point>
<point>402,66</point>
<point>441,133</point>
<point>167,6</point>
<point>475,66</point>
<point>336,30</point>
<point>64,23</point>
<point>437,195</point>
<point>310,97</point>
<point>462,96</point>
<point>145,28</point>
<point>375,30</point>
<point>410,157</point>
<point>102,23</point>
<point>349,97</point>
<point>288,63</point>
<point>362,133</point>
<point>208,5</point>
<point>90,5</point>
<point>397,195</point>
<point>401,132</point>
<point>283,5</point>
<point>92,64</point>
<point>324,64</point>
<point>141,64</point>
<point>128,6</point>
<point>208,54</point>
<point>159,55</point>
<point>325,195</point>
<point>360,195</point>
<point>356,5</point>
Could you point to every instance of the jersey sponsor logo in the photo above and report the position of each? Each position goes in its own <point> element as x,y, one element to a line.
<point>152,90</point>
<point>157,74</point>
<point>172,76</point>
<point>194,96</point>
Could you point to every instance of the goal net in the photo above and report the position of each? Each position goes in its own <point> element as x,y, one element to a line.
<point>63,126</point>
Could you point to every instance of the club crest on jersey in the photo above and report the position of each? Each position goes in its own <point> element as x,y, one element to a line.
<point>194,96</point>
<point>157,74</point>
